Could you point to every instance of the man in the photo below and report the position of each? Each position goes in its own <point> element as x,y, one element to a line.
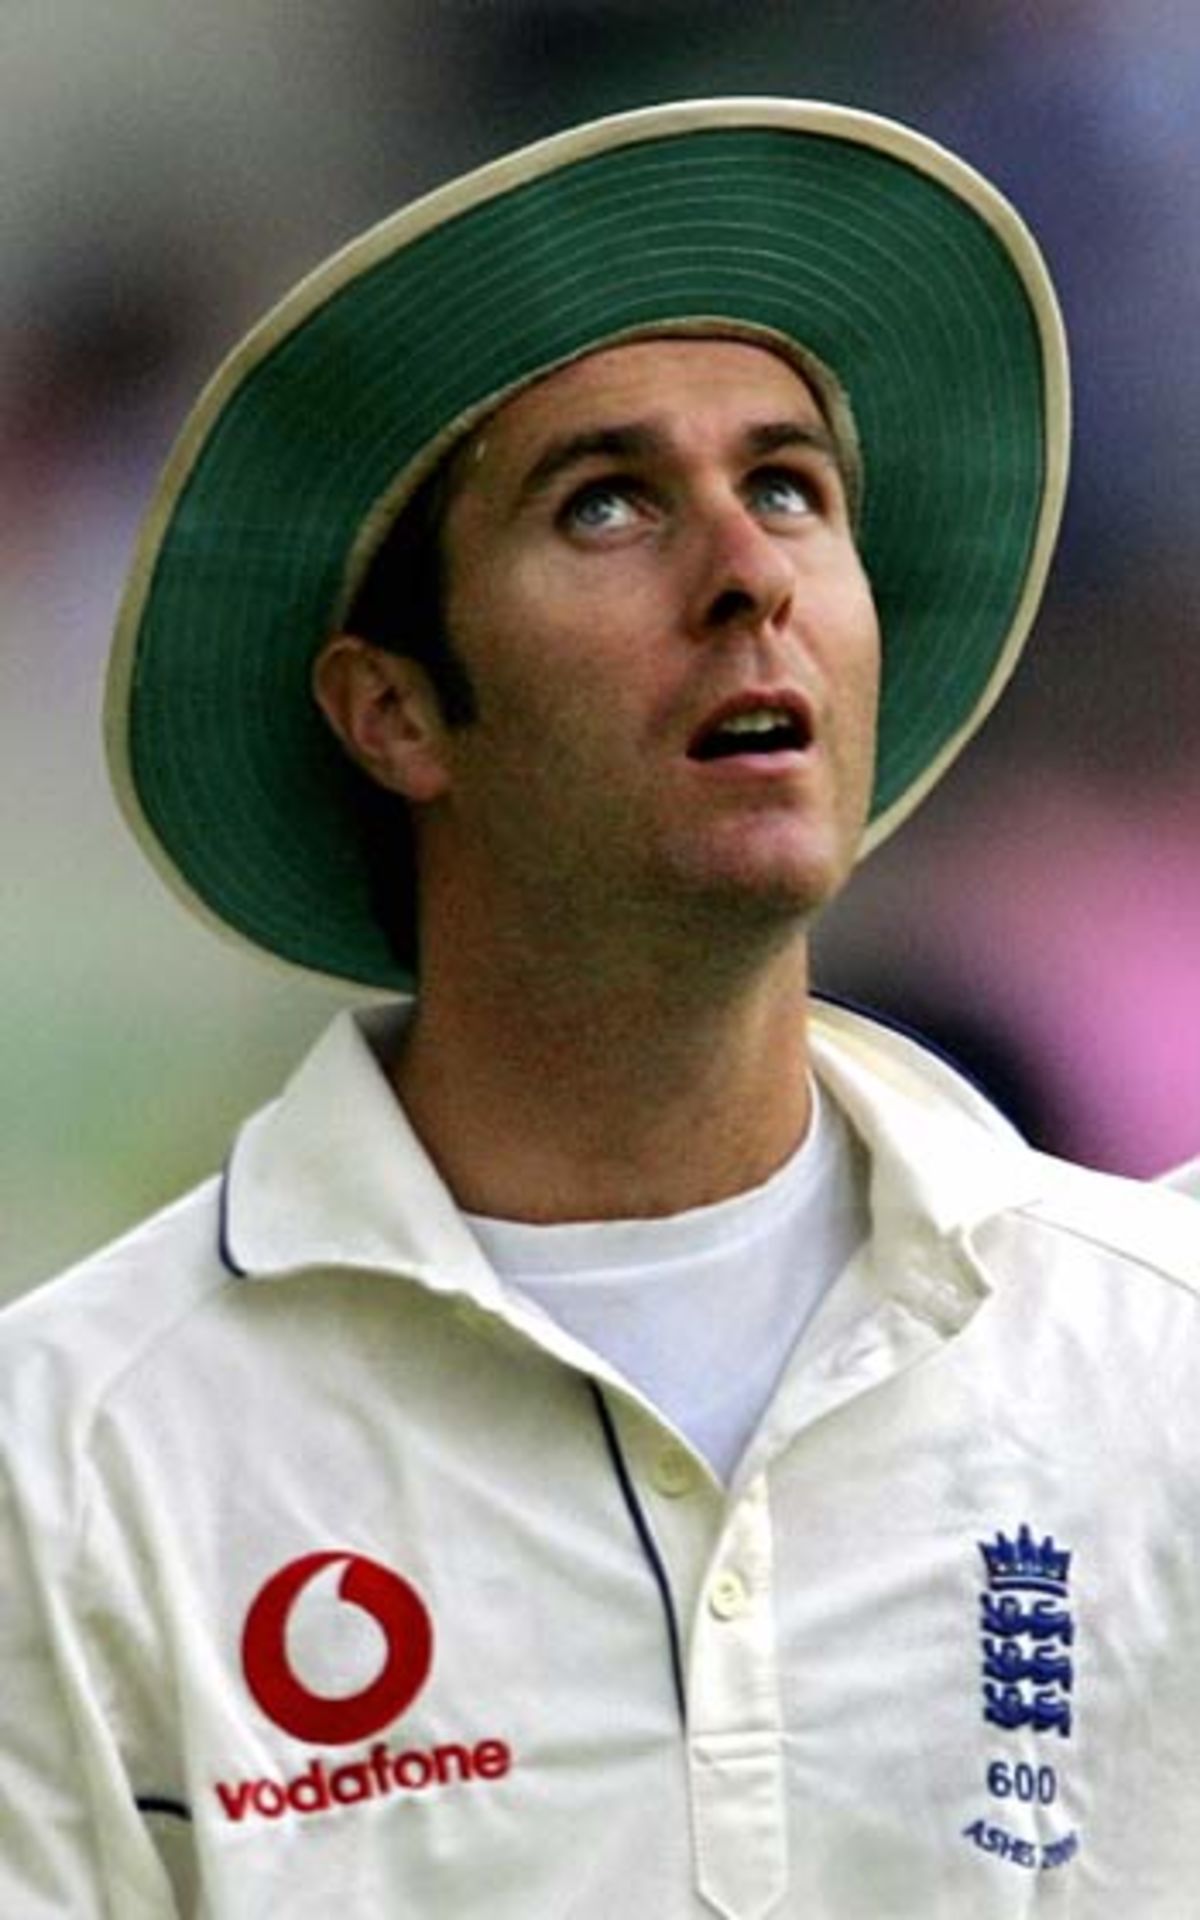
<point>618,1439</point>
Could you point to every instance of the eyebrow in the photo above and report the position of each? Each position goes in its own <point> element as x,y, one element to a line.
<point>639,440</point>
<point>776,436</point>
<point>603,443</point>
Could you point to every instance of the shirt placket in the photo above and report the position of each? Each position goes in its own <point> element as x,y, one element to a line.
<point>735,1743</point>
<point>717,1555</point>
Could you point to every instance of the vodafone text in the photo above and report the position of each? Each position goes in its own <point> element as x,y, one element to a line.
<point>321,1788</point>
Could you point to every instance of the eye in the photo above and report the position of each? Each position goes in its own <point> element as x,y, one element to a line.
<point>779,491</point>
<point>601,506</point>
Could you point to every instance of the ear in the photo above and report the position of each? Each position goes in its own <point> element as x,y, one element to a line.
<point>383,709</point>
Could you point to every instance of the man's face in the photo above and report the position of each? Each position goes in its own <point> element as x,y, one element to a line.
<point>652,584</point>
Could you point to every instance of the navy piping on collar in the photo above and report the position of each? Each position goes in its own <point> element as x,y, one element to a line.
<point>647,1542</point>
<point>160,1803</point>
<point>892,1023</point>
<point>224,1248</point>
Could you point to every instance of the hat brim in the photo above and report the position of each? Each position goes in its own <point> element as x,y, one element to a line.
<point>887,258</point>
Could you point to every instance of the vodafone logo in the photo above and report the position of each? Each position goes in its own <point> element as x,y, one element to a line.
<point>325,1719</point>
<point>341,1600</point>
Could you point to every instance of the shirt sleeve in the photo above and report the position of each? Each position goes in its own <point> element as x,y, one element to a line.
<point>72,1838</point>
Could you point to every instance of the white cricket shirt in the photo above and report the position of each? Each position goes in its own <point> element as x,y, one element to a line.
<point>337,1581</point>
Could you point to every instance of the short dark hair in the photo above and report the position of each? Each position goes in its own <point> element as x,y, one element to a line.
<point>400,602</point>
<point>400,606</point>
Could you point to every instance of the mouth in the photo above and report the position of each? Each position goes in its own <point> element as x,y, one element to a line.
<point>753,726</point>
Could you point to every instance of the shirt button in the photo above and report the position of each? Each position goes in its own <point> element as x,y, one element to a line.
<point>727,1597</point>
<point>673,1473</point>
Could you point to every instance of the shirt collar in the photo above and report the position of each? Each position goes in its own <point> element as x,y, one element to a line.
<point>332,1175</point>
<point>943,1159</point>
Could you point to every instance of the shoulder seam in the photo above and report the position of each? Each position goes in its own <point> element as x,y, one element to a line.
<point>1090,1219</point>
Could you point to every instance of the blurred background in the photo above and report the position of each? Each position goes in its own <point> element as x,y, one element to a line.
<point>169,169</point>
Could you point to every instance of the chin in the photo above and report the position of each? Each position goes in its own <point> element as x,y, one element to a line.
<point>759,906</point>
<point>790,880</point>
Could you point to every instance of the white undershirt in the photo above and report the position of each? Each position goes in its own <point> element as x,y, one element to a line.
<point>700,1310</point>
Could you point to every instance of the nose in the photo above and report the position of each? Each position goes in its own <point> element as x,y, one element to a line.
<point>744,576</point>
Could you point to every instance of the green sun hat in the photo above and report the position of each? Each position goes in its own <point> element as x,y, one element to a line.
<point>901,270</point>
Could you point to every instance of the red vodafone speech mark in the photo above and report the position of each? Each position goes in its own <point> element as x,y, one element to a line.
<point>399,1611</point>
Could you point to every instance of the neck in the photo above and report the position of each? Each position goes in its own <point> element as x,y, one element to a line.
<point>625,1089</point>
